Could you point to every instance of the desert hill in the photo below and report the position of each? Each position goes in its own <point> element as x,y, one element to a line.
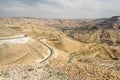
<point>59,48</point>
<point>15,47</point>
<point>112,22</point>
<point>106,31</point>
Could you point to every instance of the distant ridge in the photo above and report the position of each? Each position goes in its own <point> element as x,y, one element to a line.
<point>112,22</point>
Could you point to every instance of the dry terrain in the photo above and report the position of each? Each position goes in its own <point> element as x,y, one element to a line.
<point>59,49</point>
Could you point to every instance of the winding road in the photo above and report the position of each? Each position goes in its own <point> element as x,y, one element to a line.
<point>72,56</point>
<point>51,51</point>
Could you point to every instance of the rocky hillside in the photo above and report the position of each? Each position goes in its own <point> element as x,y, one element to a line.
<point>113,22</point>
<point>59,49</point>
<point>106,31</point>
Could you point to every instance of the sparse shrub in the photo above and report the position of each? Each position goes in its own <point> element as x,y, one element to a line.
<point>4,74</point>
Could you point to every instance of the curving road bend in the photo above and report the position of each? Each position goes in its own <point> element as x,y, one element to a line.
<point>71,58</point>
<point>39,40</point>
<point>51,51</point>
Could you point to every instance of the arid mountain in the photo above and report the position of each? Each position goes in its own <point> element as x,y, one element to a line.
<point>59,49</point>
<point>106,31</point>
<point>113,22</point>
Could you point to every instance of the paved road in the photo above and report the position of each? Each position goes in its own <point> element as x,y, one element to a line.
<point>51,51</point>
<point>39,40</point>
<point>70,59</point>
<point>12,38</point>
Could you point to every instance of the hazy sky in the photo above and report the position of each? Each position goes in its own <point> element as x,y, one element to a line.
<point>60,8</point>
